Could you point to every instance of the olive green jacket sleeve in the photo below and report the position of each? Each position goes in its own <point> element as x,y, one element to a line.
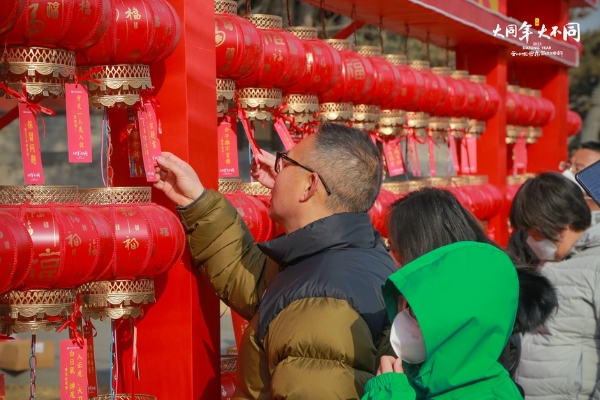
<point>223,248</point>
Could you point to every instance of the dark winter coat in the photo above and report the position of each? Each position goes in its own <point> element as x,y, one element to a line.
<point>318,323</point>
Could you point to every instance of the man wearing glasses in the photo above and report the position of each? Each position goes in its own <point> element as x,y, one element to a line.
<point>318,324</point>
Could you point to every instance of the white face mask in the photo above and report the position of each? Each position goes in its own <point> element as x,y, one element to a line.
<point>544,249</point>
<point>406,339</point>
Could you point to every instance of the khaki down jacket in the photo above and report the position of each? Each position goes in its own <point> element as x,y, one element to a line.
<point>318,324</point>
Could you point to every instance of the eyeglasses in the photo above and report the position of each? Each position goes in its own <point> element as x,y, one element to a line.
<point>564,165</point>
<point>283,156</point>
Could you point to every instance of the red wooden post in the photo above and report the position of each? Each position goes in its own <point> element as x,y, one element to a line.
<point>178,338</point>
<point>551,148</point>
<point>491,147</point>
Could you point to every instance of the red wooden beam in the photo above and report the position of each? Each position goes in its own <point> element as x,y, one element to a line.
<point>349,30</point>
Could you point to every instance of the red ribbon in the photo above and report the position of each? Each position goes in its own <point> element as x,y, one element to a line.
<point>430,143</point>
<point>87,76</point>
<point>3,338</point>
<point>35,108</point>
<point>247,128</point>
<point>412,140</point>
<point>71,323</point>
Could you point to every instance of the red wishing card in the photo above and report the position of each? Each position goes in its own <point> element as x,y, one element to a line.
<point>92,384</point>
<point>79,132</point>
<point>30,147</point>
<point>146,144</point>
<point>284,134</point>
<point>393,158</point>
<point>153,128</point>
<point>2,388</point>
<point>454,154</point>
<point>73,371</point>
<point>227,153</point>
<point>468,155</point>
<point>519,155</point>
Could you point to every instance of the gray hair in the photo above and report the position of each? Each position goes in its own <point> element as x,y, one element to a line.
<point>350,164</point>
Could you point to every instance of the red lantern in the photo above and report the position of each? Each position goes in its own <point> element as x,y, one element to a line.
<point>238,45</point>
<point>387,85</point>
<point>148,241</point>
<point>380,209</point>
<point>42,42</point>
<point>140,32</point>
<point>12,11</point>
<point>528,106</point>
<point>412,90</point>
<point>543,114</point>
<point>514,114</point>
<point>485,106</point>
<point>436,91</point>
<point>64,238</point>
<point>413,84</point>
<point>323,70</point>
<point>254,213</point>
<point>283,64</point>
<point>439,119</point>
<point>574,123</point>
<point>356,80</point>
<point>69,25</point>
<point>15,253</point>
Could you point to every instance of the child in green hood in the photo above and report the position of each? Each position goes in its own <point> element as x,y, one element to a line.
<point>452,305</point>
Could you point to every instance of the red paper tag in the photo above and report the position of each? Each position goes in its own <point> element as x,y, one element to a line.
<point>393,158</point>
<point>430,149</point>
<point>227,155</point>
<point>73,366</point>
<point>153,128</point>
<point>284,134</point>
<point>79,133</point>
<point>30,147</point>
<point>468,155</point>
<point>146,143</point>
<point>454,154</point>
<point>134,146</point>
<point>249,132</point>
<point>519,155</point>
<point>92,385</point>
<point>2,388</point>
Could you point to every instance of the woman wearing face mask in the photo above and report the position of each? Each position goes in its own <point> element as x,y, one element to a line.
<point>562,360</point>
<point>452,304</point>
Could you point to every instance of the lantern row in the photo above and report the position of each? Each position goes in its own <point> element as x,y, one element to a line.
<point>112,41</point>
<point>53,246</point>
<point>474,193</point>
<point>271,71</point>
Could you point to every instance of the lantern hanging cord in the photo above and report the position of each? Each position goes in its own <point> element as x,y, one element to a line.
<point>407,32</point>
<point>353,17</point>
<point>427,47</point>
<point>381,33</point>
<point>32,365</point>
<point>289,15</point>
<point>322,12</point>
<point>447,51</point>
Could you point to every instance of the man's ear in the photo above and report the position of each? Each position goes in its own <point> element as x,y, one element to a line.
<point>312,189</point>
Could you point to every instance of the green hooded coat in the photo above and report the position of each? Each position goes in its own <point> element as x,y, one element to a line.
<point>464,297</point>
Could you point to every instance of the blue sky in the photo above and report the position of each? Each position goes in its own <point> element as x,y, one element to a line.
<point>590,22</point>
